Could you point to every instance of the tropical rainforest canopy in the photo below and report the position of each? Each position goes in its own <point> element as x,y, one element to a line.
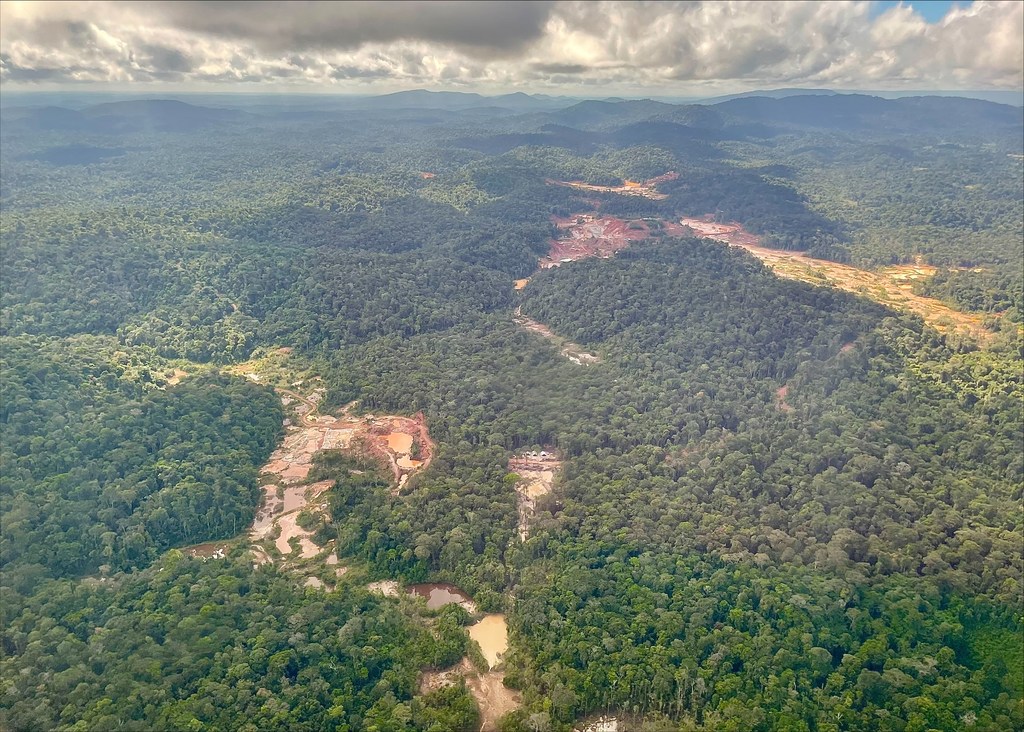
<point>781,506</point>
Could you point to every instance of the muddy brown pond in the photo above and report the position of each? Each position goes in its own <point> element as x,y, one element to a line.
<point>439,594</point>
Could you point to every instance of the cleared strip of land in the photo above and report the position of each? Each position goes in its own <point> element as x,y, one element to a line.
<point>892,286</point>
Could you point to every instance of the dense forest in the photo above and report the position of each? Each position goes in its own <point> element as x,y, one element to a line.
<point>780,506</point>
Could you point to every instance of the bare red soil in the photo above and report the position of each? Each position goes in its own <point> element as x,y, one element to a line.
<point>589,235</point>
<point>780,398</point>
<point>390,440</point>
<point>593,235</point>
<point>706,227</point>
<point>647,188</point>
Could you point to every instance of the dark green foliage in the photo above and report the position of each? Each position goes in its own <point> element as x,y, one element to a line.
<point>98,472</point>
<point>781,507</point>
<point>193,645</point>
<point>979,291</point>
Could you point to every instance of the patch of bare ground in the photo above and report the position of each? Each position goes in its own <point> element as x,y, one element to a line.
<point>489,632</point>
<point>568,349</point>
<point>646,189</point>
<point>890,286</point>
<point>175,376</point>
<point>588,235</point>
<point>536,471</point>
<point>780,398</point>
<point>276,535</point>
<point>492,696</point>
<point>403,444</point>
<point>209,550</point>
<point>388,588</point>
<point>434,680</point>
<point>287,494</point>
<point>600,724</point>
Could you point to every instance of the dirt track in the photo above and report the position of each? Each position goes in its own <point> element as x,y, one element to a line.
<point>536,473</point>
<point>892,286</point>
<point>646,189</point>
<point>492,696</point>
<point>570,350</point>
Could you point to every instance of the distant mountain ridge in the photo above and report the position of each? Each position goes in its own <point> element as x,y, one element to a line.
<point>159,115</point>
<point>518,101</point>
<point>523,114</point>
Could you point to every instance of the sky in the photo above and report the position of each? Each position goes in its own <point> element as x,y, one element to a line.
<point>562,46</point>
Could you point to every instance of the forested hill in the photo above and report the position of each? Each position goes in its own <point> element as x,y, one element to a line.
<point>777,506</point>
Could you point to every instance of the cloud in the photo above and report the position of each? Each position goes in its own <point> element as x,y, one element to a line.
<point>485,29</point>
<point>559,68</point>
<point>628,47</point>
<point>165,58</point>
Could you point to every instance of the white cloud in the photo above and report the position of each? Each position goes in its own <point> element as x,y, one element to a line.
<point>646,47</point>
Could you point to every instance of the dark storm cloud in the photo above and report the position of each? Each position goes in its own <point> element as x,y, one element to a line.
<point>356,72</point>
<point>165,58</point>
<point>544,68</point>
<point>485,29</point>
<point>14,72</point>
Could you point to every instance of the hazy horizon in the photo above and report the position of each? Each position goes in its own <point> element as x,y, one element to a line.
<point>77,96</point>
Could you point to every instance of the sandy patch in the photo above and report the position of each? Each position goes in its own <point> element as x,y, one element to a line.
<point>568,349</point>
<point>647,189</point>
<point>339,439</point>
<point>388,588</point>
<point>176,376</point>
<point>890,286</point>
<point>260,556</point>
<point>285,492</point>
<point>492,696</point>
<point>536,471</point>
<point>291,530</point>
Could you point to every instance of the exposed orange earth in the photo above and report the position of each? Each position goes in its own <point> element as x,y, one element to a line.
<point>287,491</point>
<point>647,189</point>
<point>592,235</point>
<point>892,286</point>
<point>492,696</point>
